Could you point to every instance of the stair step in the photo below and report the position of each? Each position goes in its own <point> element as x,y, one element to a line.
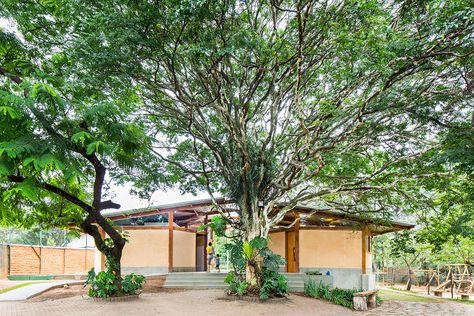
<point>205,280</point>
<point>198,287</point>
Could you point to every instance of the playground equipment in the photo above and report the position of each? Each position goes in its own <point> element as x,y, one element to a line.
<point>458,279</point>
<point>430,276</point>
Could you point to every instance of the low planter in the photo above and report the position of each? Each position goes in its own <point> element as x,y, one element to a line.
<point>252,298</point>
<point>324,279</point>
<point>123,298</point>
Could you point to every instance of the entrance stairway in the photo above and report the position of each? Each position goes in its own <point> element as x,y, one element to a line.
<point>204,280</point>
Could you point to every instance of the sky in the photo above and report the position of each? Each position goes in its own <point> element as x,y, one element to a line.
<point>129,201</point>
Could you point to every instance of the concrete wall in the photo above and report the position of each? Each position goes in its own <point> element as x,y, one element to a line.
<point>330,248</point>
<point>336,251</point>
<point>30,260</point>
<point>146,252</point>
<point>184,251</point>
<point>276,243</point>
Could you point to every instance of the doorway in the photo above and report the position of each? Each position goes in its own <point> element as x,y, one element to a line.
<point>200,253</point>
<point>292,255</point>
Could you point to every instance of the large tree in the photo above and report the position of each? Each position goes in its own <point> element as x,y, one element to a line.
<point>58,138</point>
<point>279,101</point>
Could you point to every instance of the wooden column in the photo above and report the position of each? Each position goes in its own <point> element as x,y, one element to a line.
<point>365,234</point>
<point>170,240</point>
<point>102,257</point>
<point>286,251</point>
<point>297,246</point>
<point>205,242</point>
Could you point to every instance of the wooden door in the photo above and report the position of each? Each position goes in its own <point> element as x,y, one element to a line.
<point>200,253</point>
<point>291,252</point>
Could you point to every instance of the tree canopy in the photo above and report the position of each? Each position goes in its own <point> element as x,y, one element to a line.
<point>343,104</point>
<point>333,102</point>
<point>59,136</point>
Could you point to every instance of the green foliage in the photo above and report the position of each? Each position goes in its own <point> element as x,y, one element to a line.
<point>338,296</point>
<point>274,284</point>
<point>268,281</point>
<point>36,236</point>
<point>132,283</point>
<point>314,272</point>
<point>217,224</point>
<point>245,105</point>
<point>236,284</point>
<point>104,283</point>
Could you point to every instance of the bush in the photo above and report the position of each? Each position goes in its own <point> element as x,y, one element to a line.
<point>103,284</point>
<point>342,297</point>
<point>132,283</point>
<point>315,272</point>
<point>271,282</point>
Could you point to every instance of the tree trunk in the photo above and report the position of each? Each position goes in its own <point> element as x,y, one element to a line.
<point>112,254</point>
<point>114,257</point>
<point>253,269</point>
<point>410,273</point>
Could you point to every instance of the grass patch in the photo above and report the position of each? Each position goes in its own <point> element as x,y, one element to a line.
<point>11,288</point>
<point>344,297</point>
<point>399,296</point>
<point>458,300</point>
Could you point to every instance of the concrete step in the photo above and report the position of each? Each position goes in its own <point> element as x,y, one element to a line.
<point>209,274</point>
<point>197,286</point>
<point>204,280</point>
<point>191,277</point>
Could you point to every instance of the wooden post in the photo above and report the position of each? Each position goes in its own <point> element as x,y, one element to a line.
<point>102,257</point>
<point>286,251</point>
<point>205,244</point>
<point>364,249</point>
<point>170,240</point>
<point>297,246</point>
<point>360,303</point>
<point>452,286</point>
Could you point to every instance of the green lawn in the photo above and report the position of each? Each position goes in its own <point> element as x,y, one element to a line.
<point>458,300</point>
<point>8,289</point>
<point>387,295</point>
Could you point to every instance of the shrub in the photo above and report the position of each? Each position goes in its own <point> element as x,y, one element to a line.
<point>315,272</point>
<point>344,297</point>
<point>103,284</point>
<point>236,283</point>
<point>132,283</point>
<point>271,282</point>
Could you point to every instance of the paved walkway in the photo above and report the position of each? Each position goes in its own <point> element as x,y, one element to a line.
<point>211,302</point>
<point>28,291</point>
<point>193,302</point>
<point>401,308</point>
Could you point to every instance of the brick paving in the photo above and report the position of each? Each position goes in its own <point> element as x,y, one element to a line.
<point>442,308</point>
<point>193,302</point>
<point>211,302</point>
